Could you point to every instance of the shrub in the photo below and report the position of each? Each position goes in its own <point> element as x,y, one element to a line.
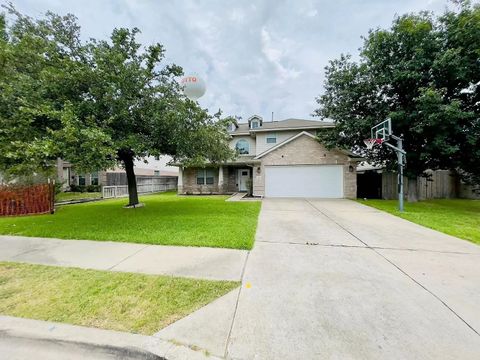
<point>77,188</point>
<point>94,188</point>
<point>59,186</point>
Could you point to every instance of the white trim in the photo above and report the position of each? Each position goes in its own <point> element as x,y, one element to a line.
<point>283,143</point>
<point>255,117</point>
<point>272,135</point>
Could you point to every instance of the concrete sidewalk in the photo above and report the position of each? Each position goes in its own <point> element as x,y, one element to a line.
<point>194,262</point>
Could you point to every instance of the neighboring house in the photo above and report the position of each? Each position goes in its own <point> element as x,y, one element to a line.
<point>155,166</point>
<point>279,159</point>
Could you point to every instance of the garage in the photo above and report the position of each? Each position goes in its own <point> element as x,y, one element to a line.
<point>322,181</point>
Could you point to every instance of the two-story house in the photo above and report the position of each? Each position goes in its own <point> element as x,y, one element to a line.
<point>277,159</point>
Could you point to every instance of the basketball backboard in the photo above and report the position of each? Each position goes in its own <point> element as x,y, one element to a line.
<point>382,131</point>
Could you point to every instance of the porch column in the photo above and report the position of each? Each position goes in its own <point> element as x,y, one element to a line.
<point>180,180</point>
<point>220,179</point>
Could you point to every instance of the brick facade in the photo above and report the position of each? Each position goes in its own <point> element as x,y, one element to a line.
<point>306,150</point>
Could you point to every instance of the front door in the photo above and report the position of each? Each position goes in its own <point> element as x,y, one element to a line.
<point>243,176</point>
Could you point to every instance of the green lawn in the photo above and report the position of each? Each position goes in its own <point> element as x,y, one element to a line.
<point>166,219</point>
<point>109,300</point>
<point>67,196</point>
<point>455,217</point>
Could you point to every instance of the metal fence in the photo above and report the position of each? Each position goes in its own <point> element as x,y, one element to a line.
<point>145,185</point>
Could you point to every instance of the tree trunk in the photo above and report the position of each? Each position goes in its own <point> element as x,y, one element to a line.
<point>131,180</point>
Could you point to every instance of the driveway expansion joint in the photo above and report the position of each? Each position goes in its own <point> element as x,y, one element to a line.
<point>225,354</point>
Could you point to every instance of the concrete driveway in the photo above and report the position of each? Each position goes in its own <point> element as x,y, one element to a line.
<point>333,279</point>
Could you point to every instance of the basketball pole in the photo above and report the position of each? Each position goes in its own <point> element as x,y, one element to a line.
<point>401,159</point>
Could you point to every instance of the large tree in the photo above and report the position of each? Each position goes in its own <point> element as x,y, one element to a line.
<point>424,74</point>
<point>97,103</point>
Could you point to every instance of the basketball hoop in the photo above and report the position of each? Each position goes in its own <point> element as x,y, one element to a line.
<point>381,133</point>
<point>370,143</point>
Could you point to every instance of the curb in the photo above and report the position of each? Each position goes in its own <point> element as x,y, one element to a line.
<point>126,345</point>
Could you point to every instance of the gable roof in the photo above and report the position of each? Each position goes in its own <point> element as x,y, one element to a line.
<point>304,133</point>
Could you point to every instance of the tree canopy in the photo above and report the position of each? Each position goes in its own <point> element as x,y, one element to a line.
<point>423,73</point>
<point>97,103</point>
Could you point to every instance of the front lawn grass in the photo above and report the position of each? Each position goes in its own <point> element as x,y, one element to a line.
<point>109,300</point>
<point>167,219</point>
<point>457,217</point>
<point>67,196</point>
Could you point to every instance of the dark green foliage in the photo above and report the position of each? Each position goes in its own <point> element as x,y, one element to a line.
<point>423,73</point>
<point>85,188</point>
<point>96,104</point>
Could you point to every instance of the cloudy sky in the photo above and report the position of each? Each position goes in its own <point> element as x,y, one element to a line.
<point>257,57</point>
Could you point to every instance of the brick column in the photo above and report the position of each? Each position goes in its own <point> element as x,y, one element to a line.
<point>180,180</point>
<point>220,179</point>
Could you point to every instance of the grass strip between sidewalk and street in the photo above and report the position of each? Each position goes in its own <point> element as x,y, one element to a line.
<point>128,302</point>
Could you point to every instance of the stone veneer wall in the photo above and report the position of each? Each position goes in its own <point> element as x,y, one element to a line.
<point>190,182</point>
<point>307,151</point>
<point>190,185</point>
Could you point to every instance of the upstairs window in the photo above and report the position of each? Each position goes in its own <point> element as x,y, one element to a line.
<point>205,177</point>
<point>271,138</point>
<point>243,147</point>
<point>254,124</point>
<point>156,172</point>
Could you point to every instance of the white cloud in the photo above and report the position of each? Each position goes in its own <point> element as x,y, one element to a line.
<point>255,57</point>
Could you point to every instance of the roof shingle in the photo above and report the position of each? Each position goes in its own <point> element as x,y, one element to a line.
<point>284,124</point>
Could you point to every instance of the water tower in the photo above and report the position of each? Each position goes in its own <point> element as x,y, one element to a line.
<point>193,87</point>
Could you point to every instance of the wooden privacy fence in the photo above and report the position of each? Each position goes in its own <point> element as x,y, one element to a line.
<point>441,184</point>
<point>25,200</point>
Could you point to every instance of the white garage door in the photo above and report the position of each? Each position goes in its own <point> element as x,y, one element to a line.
<point>323,181</point>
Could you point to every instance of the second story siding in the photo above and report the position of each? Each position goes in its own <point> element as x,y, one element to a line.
<point>281,136</point>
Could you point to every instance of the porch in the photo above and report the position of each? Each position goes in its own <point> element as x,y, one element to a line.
<point>224,179</point>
